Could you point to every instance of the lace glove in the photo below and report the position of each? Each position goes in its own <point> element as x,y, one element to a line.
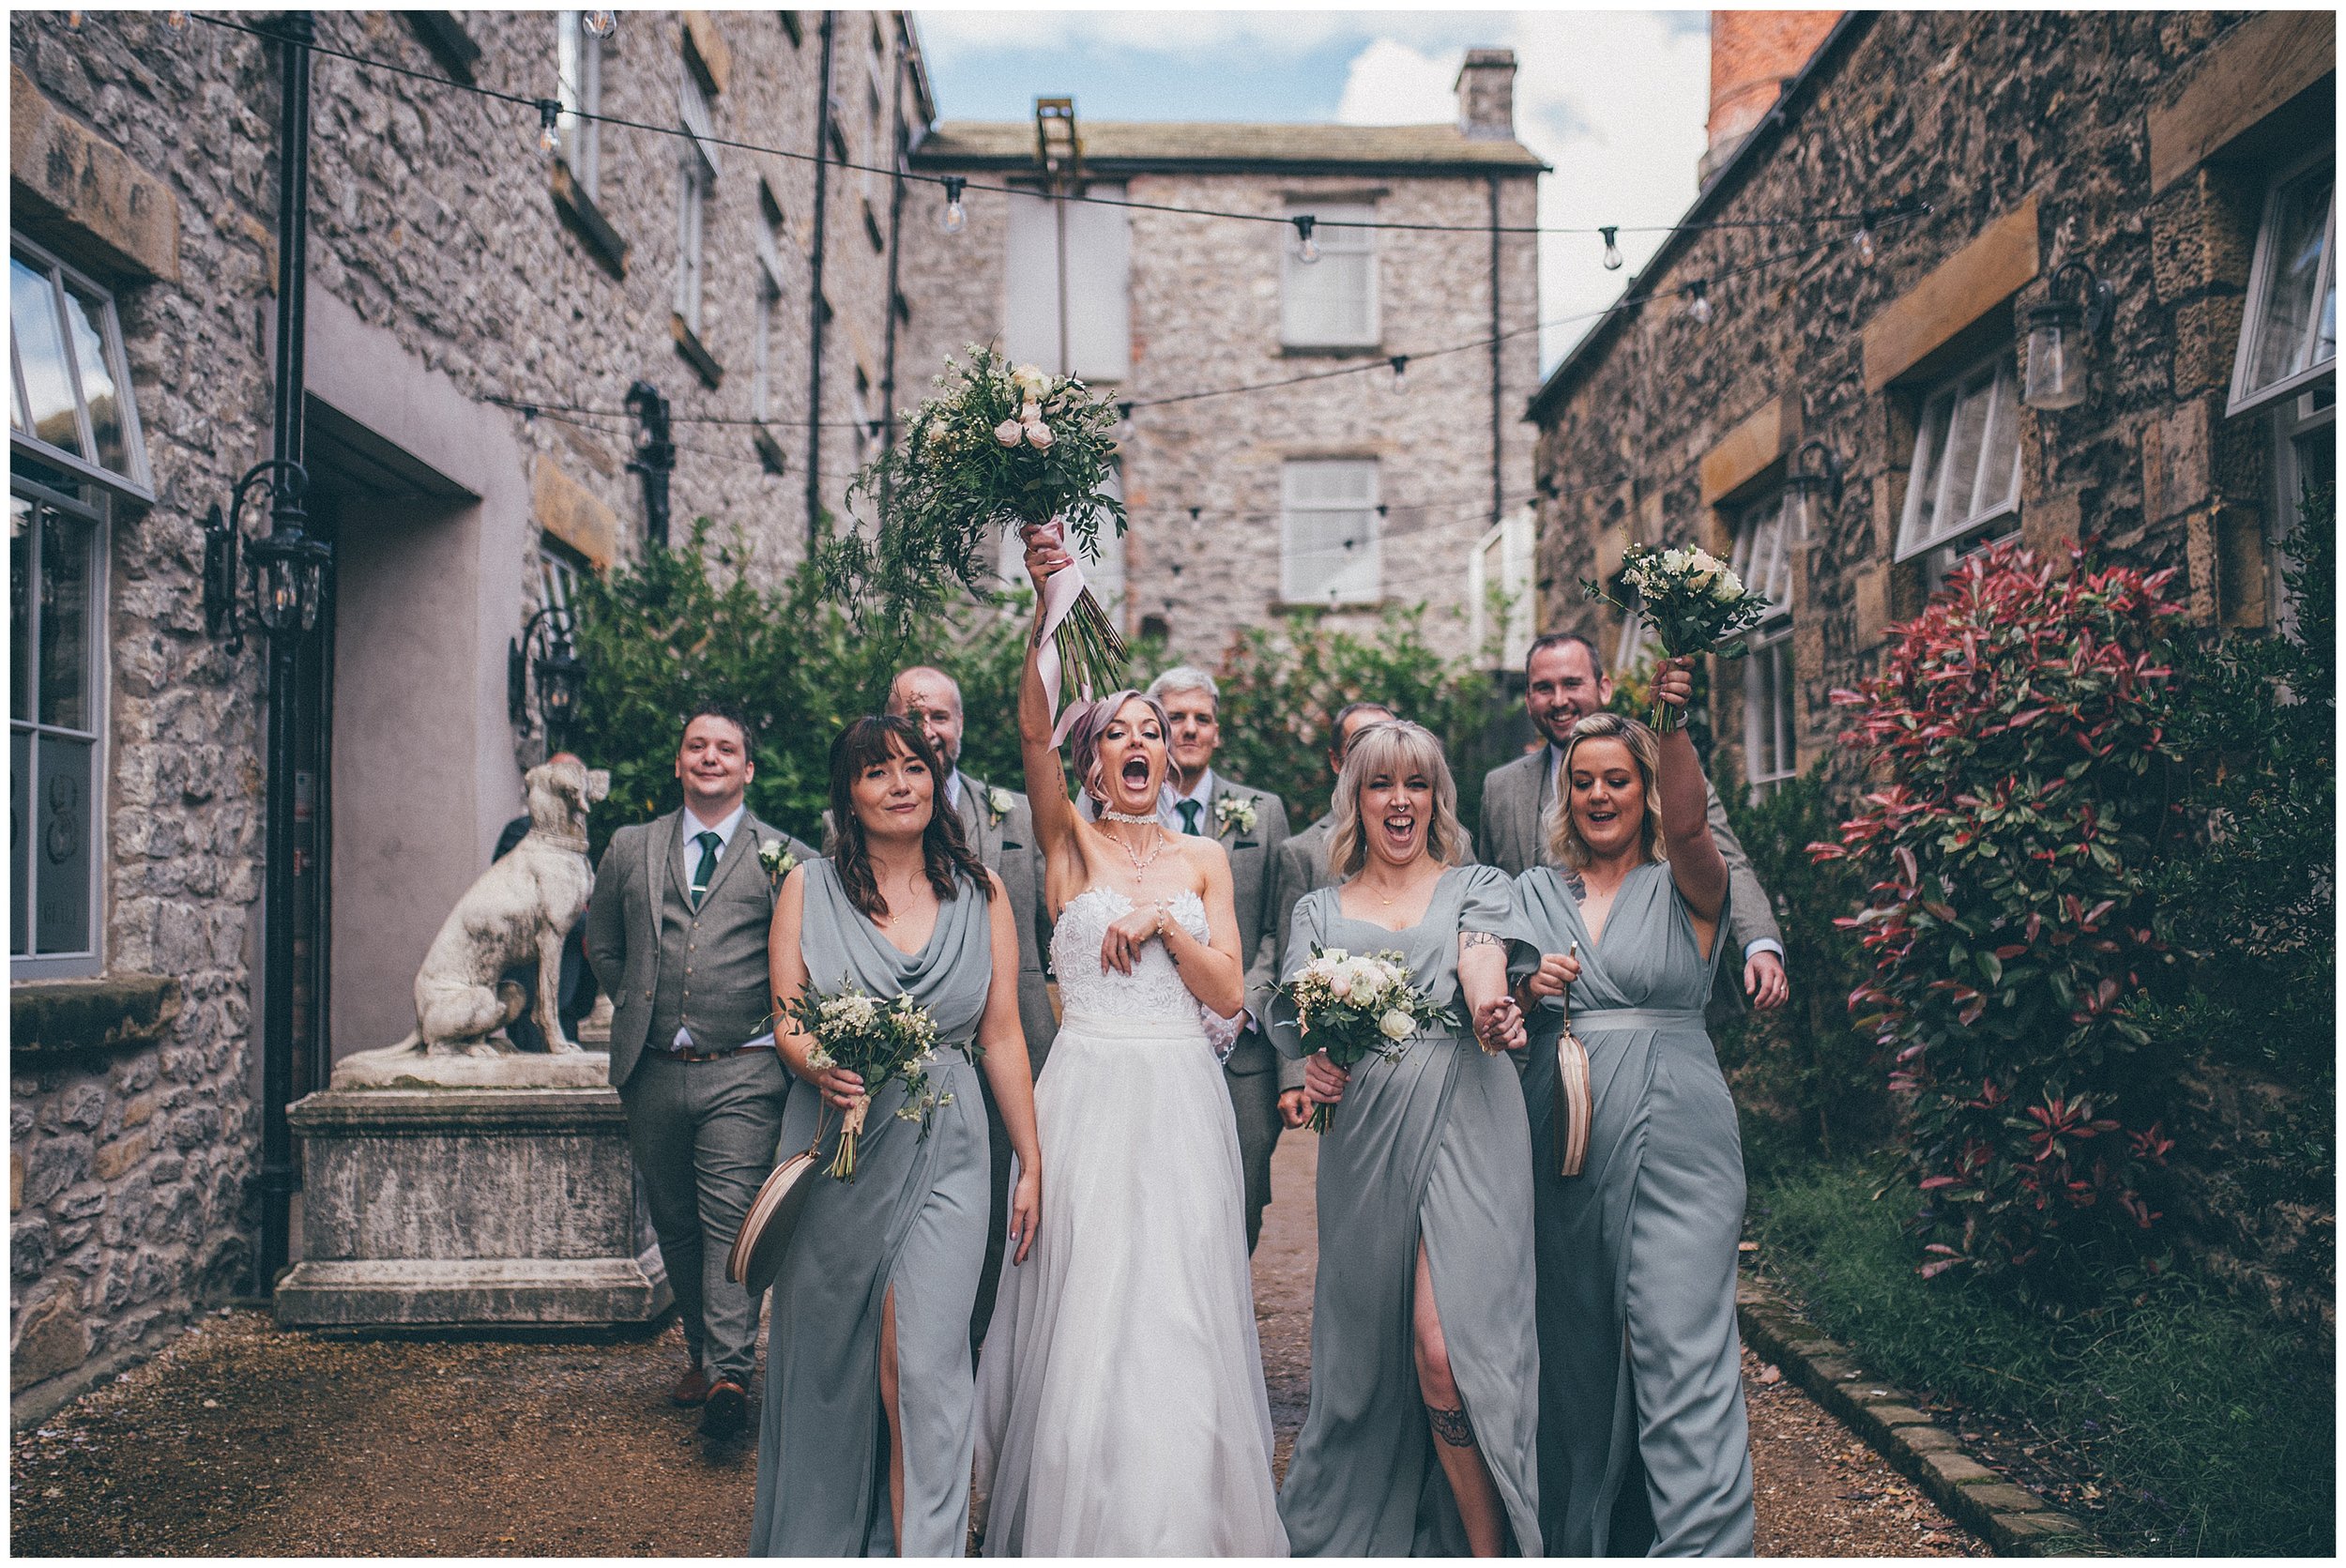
<point>1221,1033</point>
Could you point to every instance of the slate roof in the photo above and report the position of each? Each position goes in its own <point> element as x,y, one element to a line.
<point>1127,147</point>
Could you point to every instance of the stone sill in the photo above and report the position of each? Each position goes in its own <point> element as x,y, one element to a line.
<point>1332,351</point>
<point>57,1018</point>
<point>587,221</point>
<point>770,450</point>
<point>695,352</point>
<point>1349,607</point>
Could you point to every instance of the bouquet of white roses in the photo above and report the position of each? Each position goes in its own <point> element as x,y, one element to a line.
<point>1353,1007</point>
<point>877,1041</point>
<point>1692,599</point>
<point>998,447</point>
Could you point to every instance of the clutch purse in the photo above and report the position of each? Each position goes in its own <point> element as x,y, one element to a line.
<point>773,1217</point>
<point>1574,1103</point>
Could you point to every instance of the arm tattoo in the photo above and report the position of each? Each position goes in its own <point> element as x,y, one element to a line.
<point>1451,1426</point>
<point>1478,938</point>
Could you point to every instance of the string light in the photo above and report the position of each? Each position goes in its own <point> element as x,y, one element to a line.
<point>73,22</point>
<point>603,23</point>
<point>1400,374</point>
<point>1613,250</point>
<point>1306,247</point>
<point>1698,302</point>
<point>1866,250</point>
<point>176,21</point>
<point>956,216</point>
<point>549,126</point>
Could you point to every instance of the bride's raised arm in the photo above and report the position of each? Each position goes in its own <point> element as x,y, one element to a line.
<point>1055,823</point>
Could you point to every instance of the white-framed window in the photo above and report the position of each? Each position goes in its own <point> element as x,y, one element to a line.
<point>579,70</point>
<point>696,182</point>
<point>1104,576</point>
<point>1504,560</point>
<point>2288,335</point>
<point>769,239</point>
<point>1329,552</point>
<point>1762,557</point>
<point>1331,302</point>
<point>1965,477</point>
<point>559,568</point>
<point>70,402</point>
<point>1634,649</point>
<point>56,721</point>
<point>1078,321</point>
<point>2305,457</point>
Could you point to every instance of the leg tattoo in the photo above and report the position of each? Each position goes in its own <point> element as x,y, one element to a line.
<point>1451,1426</point>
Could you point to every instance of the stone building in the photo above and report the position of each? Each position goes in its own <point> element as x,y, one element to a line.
<point>2185,158</point>
<point>1345,492</point>
<point>479,309</point>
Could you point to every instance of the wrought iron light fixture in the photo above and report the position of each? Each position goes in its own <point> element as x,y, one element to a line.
<point>286,567</point>
<point>1808,492</point>
<point>561,674</point>
<point>2055,373</point>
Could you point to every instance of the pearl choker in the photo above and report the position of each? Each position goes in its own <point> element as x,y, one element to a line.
<point>1147,819</point>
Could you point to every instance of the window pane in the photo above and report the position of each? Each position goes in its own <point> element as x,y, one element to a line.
<point>1331,556</point>
<point>2296,329</point>
<point>65,621</point>
<point>20,841</point>
<point>1967,436</point>
<point>20,568</point>
<point>2000,473</point>
<point>85,313</point>
<point>61,846</point>
<point>1930,446</point>
<point>1333,300</point>
<point>41,352</point>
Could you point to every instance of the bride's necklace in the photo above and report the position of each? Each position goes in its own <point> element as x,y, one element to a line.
<point>1141,863</point>
<point>1145,819</point>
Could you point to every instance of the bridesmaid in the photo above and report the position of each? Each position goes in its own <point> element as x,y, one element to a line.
<point>1419,1437</point>
<point>867,1434</point>
<point>1638,1354</point>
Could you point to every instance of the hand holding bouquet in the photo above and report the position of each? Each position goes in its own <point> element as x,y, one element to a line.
<point>998,447</point>
<point>1354,1007</point>
<point>1693,601</point>
<point>873,1040</point>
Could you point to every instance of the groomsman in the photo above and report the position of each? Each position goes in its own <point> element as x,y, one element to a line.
<point>676,930</point>
<point>1252,825</point>
<point>1303,868</point>
<point>1562,681</point>
<point>1001,826</point>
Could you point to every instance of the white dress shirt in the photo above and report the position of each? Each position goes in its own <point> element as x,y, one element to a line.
<point>1170,802</point>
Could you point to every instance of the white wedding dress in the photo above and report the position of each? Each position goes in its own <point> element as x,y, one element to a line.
<point>1121,1403</point>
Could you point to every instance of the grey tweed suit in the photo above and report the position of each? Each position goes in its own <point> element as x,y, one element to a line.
<point>1515,801</point>
<point>703,1132</point>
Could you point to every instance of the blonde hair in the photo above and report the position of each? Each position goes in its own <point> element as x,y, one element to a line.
<point>1565,844</point>
<point>1400,748</point>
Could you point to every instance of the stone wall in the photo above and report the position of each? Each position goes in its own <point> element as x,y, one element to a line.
<point>1205,314</point>
<point>434,219</point>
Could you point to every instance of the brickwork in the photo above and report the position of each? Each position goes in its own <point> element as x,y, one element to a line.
<point>433,218</point>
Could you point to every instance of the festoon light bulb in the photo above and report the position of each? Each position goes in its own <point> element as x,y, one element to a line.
<point>1400,374</point>
<point>1699,301</point>
<point>1306,247</point>
<point>549,126</point>
<point>956,216</point>
<point>1612,250</point>
<point>603,23</point>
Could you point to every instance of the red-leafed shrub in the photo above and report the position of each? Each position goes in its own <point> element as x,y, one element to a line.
<point>2022,722</point>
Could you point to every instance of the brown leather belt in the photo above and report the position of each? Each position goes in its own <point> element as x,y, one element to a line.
<point>677,1054</point>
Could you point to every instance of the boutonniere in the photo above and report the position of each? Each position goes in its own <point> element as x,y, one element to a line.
<point>778,861</point>
<point>1232,812</point>
<point>998,804</point>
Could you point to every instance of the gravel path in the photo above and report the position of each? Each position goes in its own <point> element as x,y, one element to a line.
<point>243,1440</point>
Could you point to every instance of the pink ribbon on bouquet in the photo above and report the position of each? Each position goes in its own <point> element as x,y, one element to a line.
<point>1059,592</point>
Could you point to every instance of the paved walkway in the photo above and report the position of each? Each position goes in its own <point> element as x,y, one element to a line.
<point>243,1440</point>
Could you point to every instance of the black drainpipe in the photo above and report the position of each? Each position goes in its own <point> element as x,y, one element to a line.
<point>285,651</point>
<point>815,304</point>
<point>1498,418</point>
<point>896,228</point>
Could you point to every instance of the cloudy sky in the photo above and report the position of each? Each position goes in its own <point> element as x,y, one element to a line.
<point>1614,100</point>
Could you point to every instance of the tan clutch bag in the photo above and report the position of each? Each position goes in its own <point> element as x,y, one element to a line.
<point>1573,1103</point>
<point>773,1217</point>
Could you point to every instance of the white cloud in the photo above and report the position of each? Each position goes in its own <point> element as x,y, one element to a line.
<point>1392,83</point>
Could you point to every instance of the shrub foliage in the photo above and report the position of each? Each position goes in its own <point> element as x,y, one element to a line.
<point>2024,724</point>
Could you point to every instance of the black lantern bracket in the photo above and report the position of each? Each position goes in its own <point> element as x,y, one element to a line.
<point>2095,298</point>
<point>544,648</point>
<point>286,567</point>
<point>1805,485</point>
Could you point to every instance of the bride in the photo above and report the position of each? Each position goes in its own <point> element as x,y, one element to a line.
<point>1121,1403</point>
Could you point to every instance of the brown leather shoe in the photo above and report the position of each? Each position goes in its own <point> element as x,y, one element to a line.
<point>690,1389</point>
<point>728,1411</point>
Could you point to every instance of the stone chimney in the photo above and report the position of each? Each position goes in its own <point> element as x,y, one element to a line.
<point>1752,53</point>
<point>1486,95</point>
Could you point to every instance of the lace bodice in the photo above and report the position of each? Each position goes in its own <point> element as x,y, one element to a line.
<point>1152,990</point>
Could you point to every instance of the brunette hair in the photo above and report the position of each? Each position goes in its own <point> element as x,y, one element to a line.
<point>1400,746</point>
<point>1564,842</point>
<point>1082,736</point>
<point>944,847</point>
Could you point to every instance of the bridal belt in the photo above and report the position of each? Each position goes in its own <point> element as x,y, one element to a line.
<point>1125,1026</point>
<point>1589,1020</point>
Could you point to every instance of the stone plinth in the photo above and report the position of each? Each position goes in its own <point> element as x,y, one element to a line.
<point>469,1207</point>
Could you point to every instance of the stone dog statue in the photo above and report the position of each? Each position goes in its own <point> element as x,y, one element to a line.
<point>521,907</point>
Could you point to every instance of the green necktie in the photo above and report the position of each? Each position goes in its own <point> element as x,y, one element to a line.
<point>1189,810</point>
<point>711,843</point>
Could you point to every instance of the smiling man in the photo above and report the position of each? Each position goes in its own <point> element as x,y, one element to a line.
<point>1563,682</point>
<point>675,931</point>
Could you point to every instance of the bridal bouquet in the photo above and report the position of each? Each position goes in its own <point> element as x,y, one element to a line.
<point>1692,599</point>
<point>877,1041</point>
<point>1354,1007</point>
<point>998,447</point>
